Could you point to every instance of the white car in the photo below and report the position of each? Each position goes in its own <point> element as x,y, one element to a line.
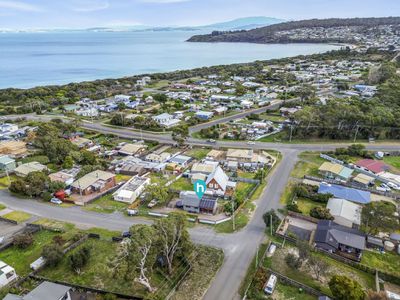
<point>132,212</point>
<point>393,185</point>
<point>251,143</point>
<point>56,201</point>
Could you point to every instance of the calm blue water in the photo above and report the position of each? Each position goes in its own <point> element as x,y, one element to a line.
<point>31,59</point>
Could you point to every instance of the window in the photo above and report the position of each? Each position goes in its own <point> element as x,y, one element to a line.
<point>9,275</point>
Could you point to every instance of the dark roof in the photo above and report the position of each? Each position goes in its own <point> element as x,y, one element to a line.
<point>208,204</point>
<point>333,234</point>
<point>374,241</point>
<point>48,291</point>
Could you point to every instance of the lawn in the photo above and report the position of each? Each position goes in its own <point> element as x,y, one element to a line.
<point>205,266</point>
<point>182,184</point>
<point>307,165</point>
<point>283,291</point>
<point>241,219</point>
<point>305,205</point>
<point>18,216</point>
<point>55,225</point>
<point>2,206</point>
<point>120,178</point>
<point>243,190</point>
<point>198,153</point>
<point>20,259</point>
<point>106,204</point>
<point>287,194</point>
<point>393,161</point>
<point>247,175</point>
<point>5,182</point>
<point>388,262</point>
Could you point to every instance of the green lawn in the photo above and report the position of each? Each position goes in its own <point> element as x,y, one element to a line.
<point>388,262</point>
<point>20,259</point>
<point>5,182</point>
<point>120,178</point>
<point>287,194</point>
<point>246,174</point>
<point>18,216</point>
<point>305,205</point>
<point>106,204</point>
<point>205,266</point>
<point>290,292</point>
<point>243,190</point>
<point>2,206</point>
<point>182,184</point>
<point>241,219</point>
<point>393,161</point>
<point>198,153</point>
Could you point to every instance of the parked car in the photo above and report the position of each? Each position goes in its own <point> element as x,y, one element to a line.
<point>152,203</point>
<point>271,250</point>
<point>132,212</point>
<point>251,143</point>
<point>211,141</point>
<point>56,201</point>
<point>126,234</point>
<point>269,287</point>
<point>386,187</point>
<point>393,186</point>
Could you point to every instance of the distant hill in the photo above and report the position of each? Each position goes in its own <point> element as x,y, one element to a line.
<point>270,34</point>
<point>243,23</point>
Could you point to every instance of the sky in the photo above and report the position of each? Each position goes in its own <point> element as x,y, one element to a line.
<point>36,14</point>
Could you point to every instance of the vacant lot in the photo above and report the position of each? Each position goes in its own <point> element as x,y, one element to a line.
<point>106,204</point>
<point>388,262</point>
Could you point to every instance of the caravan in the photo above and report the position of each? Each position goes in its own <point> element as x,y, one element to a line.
<point>269,287</point>
<point>7,274</point>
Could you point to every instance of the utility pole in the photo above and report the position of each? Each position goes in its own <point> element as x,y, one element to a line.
<point>355,135</point>
<point>291,133</point>
<point>257,258</point>
<point>233,215</point>
<point>270,223</point>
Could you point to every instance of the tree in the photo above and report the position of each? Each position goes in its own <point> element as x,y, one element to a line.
<point>180,134</point>
<point>53,254</point>
<point>240,89</point>
<point>68,162</point>
<point>23,241</point>
<point>271,215</point>
<point>37,182</point>
<point>292,261</point>
<point>173,238</point>
<point>157,192</point>
<point>304,250</point>
<point>79,259</point>
<point>161,98</point>
<point>379,217</point>
<point>317,266</point>
<point>344,288</point>
<point>321,213</point>
<point>142,253</point>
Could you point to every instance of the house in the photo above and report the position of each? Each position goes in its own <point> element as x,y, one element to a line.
<point>24,169</point>
<point>131,190</point>
<point>193,204</point>
<point>335,171</point>
<point>7,164</point>
<point>7,274</point>
<point>218,183</point>
<point>158,158</point>
<point>372,165</point>
<point>216,155</point>
<point>132,149</point>
<point>45,291</point>
<point>239,155</point>
<point>204,115</point>
<point>220,110</point>
<point>62,177</point>
<point>166,120</point>
<point>287,111</point>
<point>339,239</point>
<point>346,213</point>
<point>364,180</point>
<point>204,168</point>
<point>96,181</point>
<point>354,195</point>
<point>14,149</point>
<point>181,160</point>
<point>88,112</point>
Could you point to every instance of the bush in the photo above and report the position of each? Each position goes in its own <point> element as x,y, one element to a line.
<point>59,240</point>
<point>53,254</point>
<point>79,259</point>
<point>275,219</point>
<point>292,261</point>
<point>344,288</point>
<point>46,196</point>
<point>23,241</point>
<point>293,207</point>
<point>321,213</point>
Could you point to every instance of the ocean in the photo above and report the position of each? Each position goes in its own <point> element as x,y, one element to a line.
<point>48,58</point>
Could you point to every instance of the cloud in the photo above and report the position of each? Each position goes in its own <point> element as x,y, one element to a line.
<point>90,5</point>
<point>20,6</point>
<point>163,1</point>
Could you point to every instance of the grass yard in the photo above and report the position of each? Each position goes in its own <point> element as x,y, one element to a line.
<point>241,219</point>
<point>242,191</point>
<point>18,216</point>
<point>305,205</point>
<point>393,161</point>
<point>106,204</point>
<point>5,182</point>
<point>182,184</point>
<point>2,206</point>
<point>198,153</point>
<point>307,165</point>
<point>205,267</point>
<point>247,175</point>
<point>55,225</point>
<point>388,262</point>
<point>287,194</point>
<point>120,178</point>
<point>20,259</point>
<point>283,291</point>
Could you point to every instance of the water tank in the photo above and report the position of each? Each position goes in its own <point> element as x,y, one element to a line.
<point>389,246</point>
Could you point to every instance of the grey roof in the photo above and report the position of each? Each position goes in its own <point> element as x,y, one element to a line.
<point>45,291</point>
<point>332,234</point>
<point>180,159</point>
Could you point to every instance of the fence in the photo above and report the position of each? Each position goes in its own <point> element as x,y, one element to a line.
<point>302,217</point>
<point>297,284</point>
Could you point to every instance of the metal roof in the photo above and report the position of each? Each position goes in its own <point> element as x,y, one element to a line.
<point>342,192</point>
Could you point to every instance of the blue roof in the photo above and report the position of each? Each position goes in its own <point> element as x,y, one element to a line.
<point>342,192</point>
<point>346,173</point>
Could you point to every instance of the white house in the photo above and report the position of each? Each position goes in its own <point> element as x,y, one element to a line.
<point>166,120</point>
<point>7,274</point>
<point>346,213</point>
<point>87,112</point>
<point>131,190</point>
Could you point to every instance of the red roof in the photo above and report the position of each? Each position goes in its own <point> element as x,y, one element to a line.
<point>372,165</point>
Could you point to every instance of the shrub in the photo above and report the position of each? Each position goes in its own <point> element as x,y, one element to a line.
<point>23,241</point>
<point>292,261</point>
<point>293,207</point>
<point>321,213</point>
<point>53,254</point>
<point>344,288</point>
<point>79,259</point>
